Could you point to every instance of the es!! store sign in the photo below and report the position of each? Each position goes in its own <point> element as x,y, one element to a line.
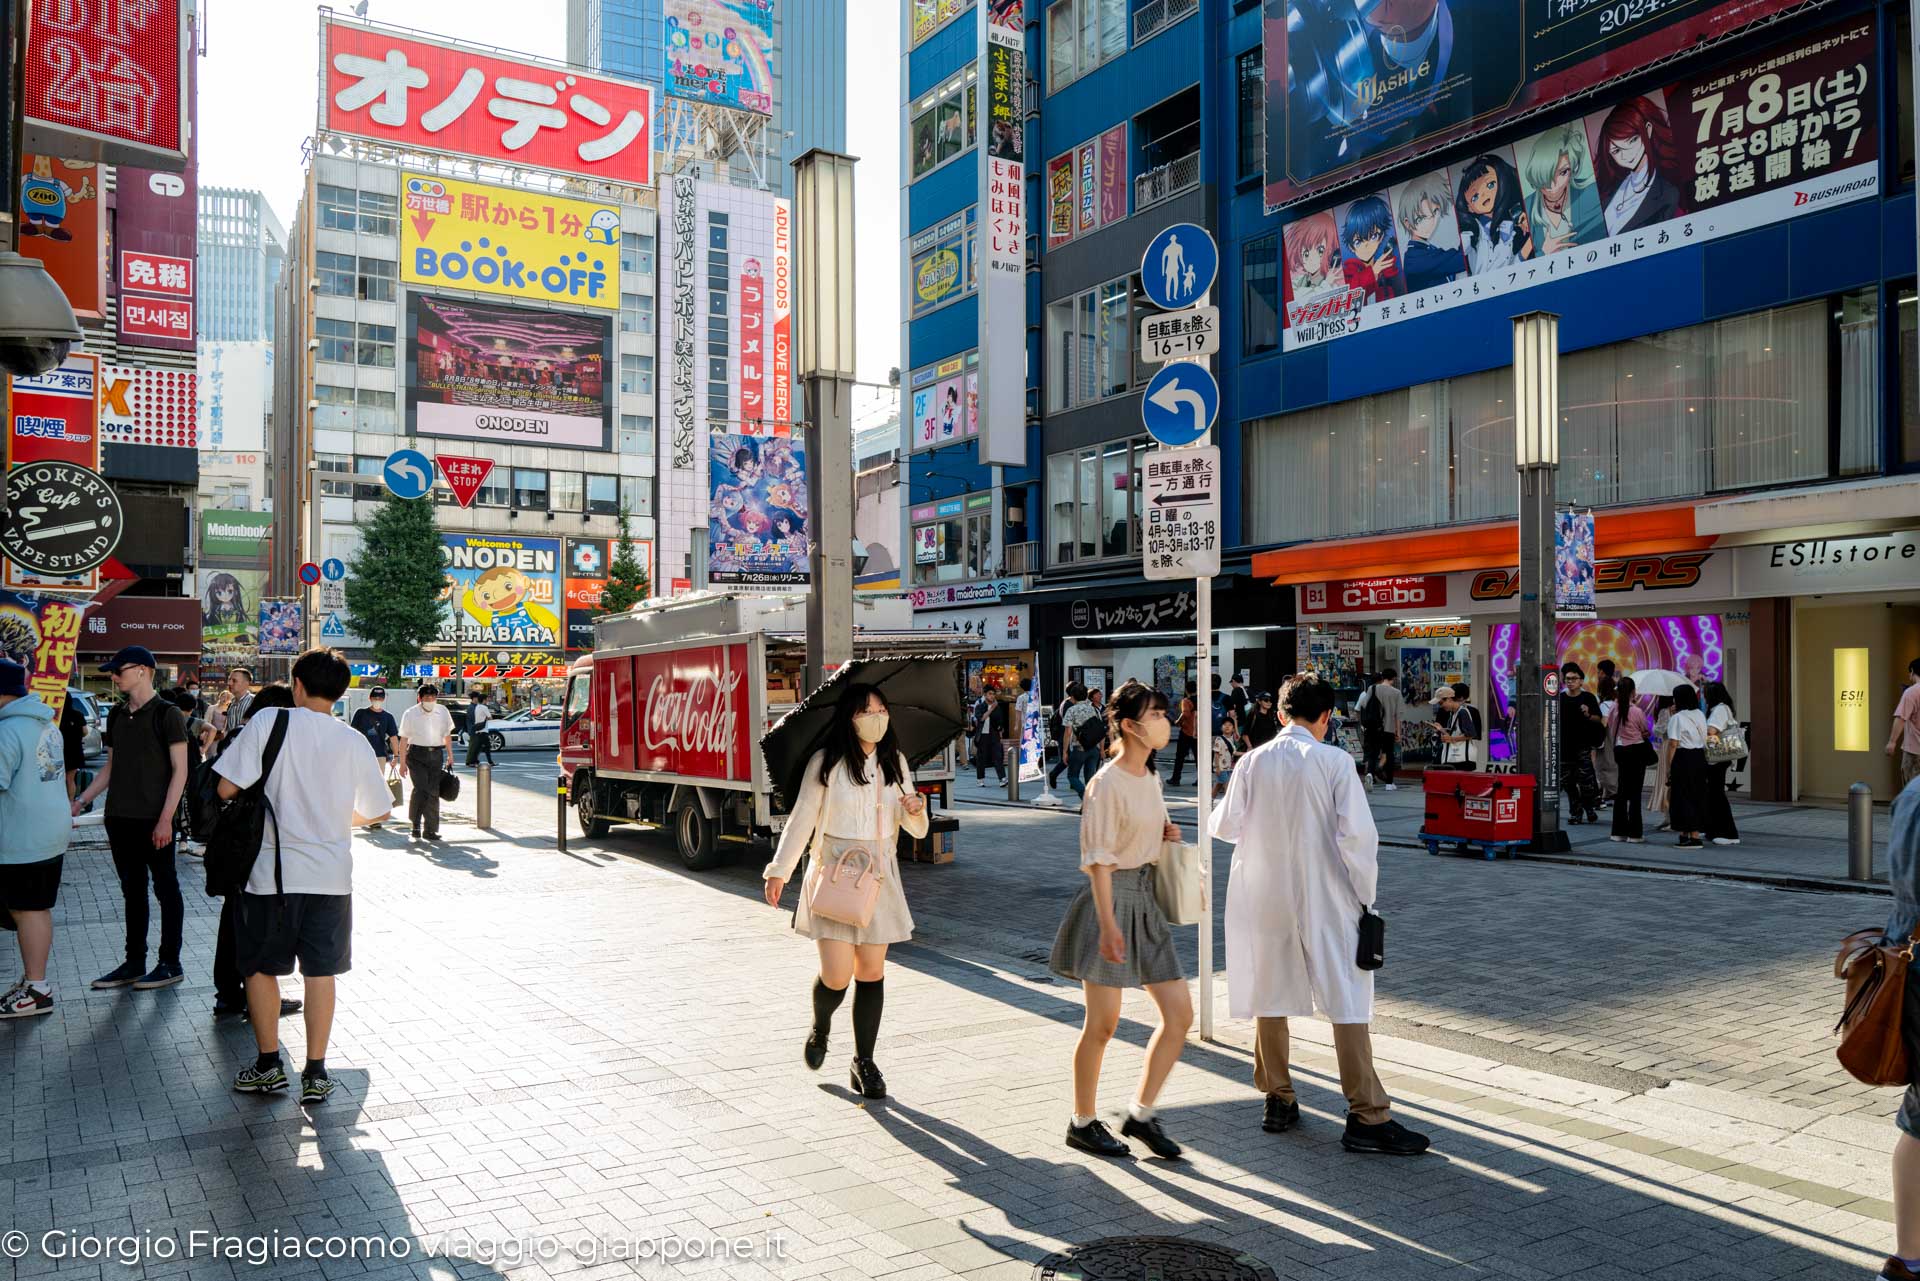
<point>510,243</point>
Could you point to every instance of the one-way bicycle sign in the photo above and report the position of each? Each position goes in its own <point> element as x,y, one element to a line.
<point>1183,513</point>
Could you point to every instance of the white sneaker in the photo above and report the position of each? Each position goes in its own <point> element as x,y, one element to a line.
<point>1618,840</point>
<point>1726,840</point>
<point>25,1001</point>
<point>1393,787</point>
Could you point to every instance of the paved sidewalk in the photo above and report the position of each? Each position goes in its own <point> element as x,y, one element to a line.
<point>554,1049</point>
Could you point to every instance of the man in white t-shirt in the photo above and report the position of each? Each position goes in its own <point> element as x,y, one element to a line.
<point>298,902</point>
<point>426,739</point>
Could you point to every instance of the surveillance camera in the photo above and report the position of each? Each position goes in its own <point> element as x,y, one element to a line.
<point>37,327</point>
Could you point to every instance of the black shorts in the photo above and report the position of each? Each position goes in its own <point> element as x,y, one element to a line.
<point>30,887</point>
<point>316,929</point>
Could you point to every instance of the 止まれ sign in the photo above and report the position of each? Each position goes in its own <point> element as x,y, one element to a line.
<point>61,518</point>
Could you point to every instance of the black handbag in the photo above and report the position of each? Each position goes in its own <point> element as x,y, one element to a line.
<point>449,786</point>
<point>239,825</point>
<point>1373,941</point>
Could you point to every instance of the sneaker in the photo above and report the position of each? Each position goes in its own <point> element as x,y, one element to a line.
<point>1281,1115</point>
<point>1393,787</point>
<point>1096,1138</point>
<point>315,1089</point>
<point>122,975</point>
<point>1726,840</point>
<point>1150,1133</point>
<point>253,1080</point>
<point>162,975</point>
<point>1389,1137</point>
<point>1688,843</point>
<point>1617,840</point>
<point>25,1001</point>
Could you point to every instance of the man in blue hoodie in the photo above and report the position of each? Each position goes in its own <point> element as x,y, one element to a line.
<point>38,824</point>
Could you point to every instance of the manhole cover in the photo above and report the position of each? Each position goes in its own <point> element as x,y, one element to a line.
<point>1151,1259</point>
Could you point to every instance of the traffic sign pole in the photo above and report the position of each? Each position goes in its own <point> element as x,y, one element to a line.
<point>1203,718</point>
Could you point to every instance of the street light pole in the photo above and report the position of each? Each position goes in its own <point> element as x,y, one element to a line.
<point>1536,455</point>
<point>824,337</point>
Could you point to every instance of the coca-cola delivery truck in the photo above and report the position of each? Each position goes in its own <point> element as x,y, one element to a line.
<point>662,722</point>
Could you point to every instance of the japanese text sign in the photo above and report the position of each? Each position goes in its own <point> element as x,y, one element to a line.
<point>156,274</point>
<point>54,656</point>
<point>508,242</point>
<point>1182,500</point>
<point>433,96</point>
<point>57,415</point>
<point>110,74</point>
<point>464,475</point>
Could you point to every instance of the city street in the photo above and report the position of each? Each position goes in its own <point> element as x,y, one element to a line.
<point>545,1055</point>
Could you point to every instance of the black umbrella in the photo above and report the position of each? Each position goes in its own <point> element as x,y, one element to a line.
<point>923,696</point>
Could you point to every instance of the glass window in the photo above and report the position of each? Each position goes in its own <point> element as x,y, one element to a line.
<point>377,411</point>
<point>567,493</point>
<point>1260,281</point>
<point>336,471</point>
<point>336,408</point>
<point>1903,97</point>
<point>944,122</point>
<point>1252,82</point>
<point>335,272</point>
<point>636,313</point>
<point>336,339</point>
<point>636,253</point>
<point>1089,346</point>
<point>529,489</point>
<point>376,346</point>
<point>603,495</point>
<point>495,491</point>
<point>376,280</point>
<point>953,549</point>
<point>636,434</point>
<point>1909,353</point>
<point>336,207</point>
<point>369,472</point>
<point>377,212</point>
<point>636,494</point>
<point>1083,35</point>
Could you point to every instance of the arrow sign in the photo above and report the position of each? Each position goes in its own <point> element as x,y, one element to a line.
<point>464,475</point>
<point>408,473</point>
<point>1180,405</point>
<point>1179,265</point>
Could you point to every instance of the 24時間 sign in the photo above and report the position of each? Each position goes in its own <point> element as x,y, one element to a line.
<point>431,95</point>
<point>526,245</point>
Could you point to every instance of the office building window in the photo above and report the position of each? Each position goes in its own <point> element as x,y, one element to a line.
<point>636,494</point>
<point>495,491</point>
<point>603,495</point>
<point>376,346</point>
<point>636,434</point>
<point>636,253</point>
<point>1083,35</point>
<point>369,477</point>
<point>335,273</point>
<point>636,374</point>
<point>529,489</point>
<point>1091,504</point>
<point>336,407</point>
<point>338,206</point>
<point>378,410</point>
<point>636,313</point>
<point>1089,346</point>
<point>567,491</point>
<point>336,475</point>
<point>944,122</point>
<point>377,213</point>
<point>1260,287</point>
<point>375,283</point>
<point>956,547</point>
<point>336,339</point>
<point>1252,80</point>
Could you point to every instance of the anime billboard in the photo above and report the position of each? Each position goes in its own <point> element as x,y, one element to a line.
<point>230,614</point>
<point>1785,131</point>
<point>280,626</point>
<point>721,52</point>
<point>1354,86</point>
<point>758,523</point>
<point>503,592</point>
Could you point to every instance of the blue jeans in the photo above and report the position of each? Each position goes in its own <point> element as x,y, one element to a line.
<point>1082,765</point>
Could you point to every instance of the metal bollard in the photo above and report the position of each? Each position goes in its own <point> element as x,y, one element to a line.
<point>1860,832</point>
<point>483,796</point>
<point>560,792</point>
<point>1010,753</point>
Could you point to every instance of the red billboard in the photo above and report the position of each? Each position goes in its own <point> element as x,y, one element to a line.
<point>432,95</point>
<point>57,415</point>
<point>110,74</point>
<point>1413,591</point>
<point>156,234</point>
<point>753,346</point>
<point>693,712</point>
<point>63,223</point>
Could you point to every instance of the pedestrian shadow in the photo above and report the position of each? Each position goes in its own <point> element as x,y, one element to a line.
<point>457,858</point>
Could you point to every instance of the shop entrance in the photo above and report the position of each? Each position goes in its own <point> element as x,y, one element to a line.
<point>1424,655</point>
<point>1850,664</point>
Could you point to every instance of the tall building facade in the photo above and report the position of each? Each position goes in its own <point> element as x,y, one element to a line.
<point>1725,228</point>
<point>242,247</point>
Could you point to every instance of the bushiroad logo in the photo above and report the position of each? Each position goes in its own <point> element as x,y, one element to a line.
<point>1815,197</point>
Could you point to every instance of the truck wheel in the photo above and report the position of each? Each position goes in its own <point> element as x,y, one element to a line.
<point>693,837</point>
<point>584,805</point>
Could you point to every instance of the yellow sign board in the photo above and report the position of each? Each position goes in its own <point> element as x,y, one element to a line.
<point>525,245</point>
<point>1852,672</point>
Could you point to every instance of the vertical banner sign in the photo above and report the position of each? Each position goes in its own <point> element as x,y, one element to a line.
<point>782,313</point>
<point>759,526</point>
<point>753,347</point>
<point>53,657</point>
<point>684,215</point>
<point>1033,737</point>
<point>156,238</point>
<point>1573,584</point>
<point>1003,290</point>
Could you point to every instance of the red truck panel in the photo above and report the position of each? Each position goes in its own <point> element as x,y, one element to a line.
<point>612,713</point>
<point>680,711</point>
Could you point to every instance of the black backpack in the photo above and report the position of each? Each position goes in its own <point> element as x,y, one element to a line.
<point>1092,733</point>
<point>236,828</point>
<point>1373,716</point>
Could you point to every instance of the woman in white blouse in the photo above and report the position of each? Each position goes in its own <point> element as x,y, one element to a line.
<point>1721,719</point>
<point>859,788</point>
<point>1687,777</point>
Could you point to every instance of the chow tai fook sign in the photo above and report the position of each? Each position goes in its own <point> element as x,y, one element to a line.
<point>527,245</point>
<point>106,80</point>
<point>1790,130</point>
<point>1419,591</point>
<point>419,94</point>
<point>692,711</point>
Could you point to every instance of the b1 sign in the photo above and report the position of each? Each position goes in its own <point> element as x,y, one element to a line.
<point>1183,513</point>
<point>1414,591</point>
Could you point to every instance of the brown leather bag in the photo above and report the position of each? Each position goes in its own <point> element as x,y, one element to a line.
<point>1872,1048</point>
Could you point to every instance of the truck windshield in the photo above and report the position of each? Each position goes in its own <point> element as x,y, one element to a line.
<point>577,691</point>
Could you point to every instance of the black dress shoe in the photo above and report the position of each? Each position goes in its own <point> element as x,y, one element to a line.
<point>866,1079</point>
<point>227,1009</point>
<point>291,1005</point>
<point>1096,1138</point>
<point>1389,1137</point>
<point>1282,1115</point>
<point>816,1050</point>
<point>1150,1133</point>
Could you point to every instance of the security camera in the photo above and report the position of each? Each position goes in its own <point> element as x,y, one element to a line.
<point>37,326</point>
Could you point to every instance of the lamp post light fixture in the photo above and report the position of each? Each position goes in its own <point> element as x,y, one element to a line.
<point>1536,456</point>
<point>823,361</point>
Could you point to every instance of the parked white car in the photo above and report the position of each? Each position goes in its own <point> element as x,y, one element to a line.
<point>529,727</point>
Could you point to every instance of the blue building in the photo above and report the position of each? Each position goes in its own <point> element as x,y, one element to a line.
<point>1738,338</point>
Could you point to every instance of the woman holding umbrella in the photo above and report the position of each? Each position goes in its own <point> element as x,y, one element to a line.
<point>857,790</point>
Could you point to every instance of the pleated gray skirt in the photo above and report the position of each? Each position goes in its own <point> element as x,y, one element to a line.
<point>1150,954</point>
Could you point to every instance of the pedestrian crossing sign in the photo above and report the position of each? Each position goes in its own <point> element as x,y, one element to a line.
<point>333,628</point>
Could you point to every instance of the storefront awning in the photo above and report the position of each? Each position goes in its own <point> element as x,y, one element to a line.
<point>1818,511</point>
<point>1494,544</point>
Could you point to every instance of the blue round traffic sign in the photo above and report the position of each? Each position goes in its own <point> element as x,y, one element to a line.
<point>309,573</point>
<point>333,569</point>
<point>408,473</point>
<point>1181,403</point>
<point>1179,266</point>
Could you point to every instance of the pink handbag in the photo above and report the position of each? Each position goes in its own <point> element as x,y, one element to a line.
<point>846,888</point>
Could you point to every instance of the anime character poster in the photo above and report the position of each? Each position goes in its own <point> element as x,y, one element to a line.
<point>757,528</point>
<point>1312,250</point>
<point>502,591</point>
<point>1573,584</point>
<point>1429,236</point>
<point>1369,251</point>
<point>1416,673</point>
<point>1640,166</point>
<point>1561,189</point>
<point>280,626</point>
<point>1491,212</point>
<point>230,613</point>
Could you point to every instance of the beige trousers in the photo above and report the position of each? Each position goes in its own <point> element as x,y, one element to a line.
<point>1352,1044</point>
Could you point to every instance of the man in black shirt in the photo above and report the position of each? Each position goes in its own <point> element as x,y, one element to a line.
<point>144,776</point>
<point>382,732</point>
<point>1261,723</point>
<point>1580,732</point>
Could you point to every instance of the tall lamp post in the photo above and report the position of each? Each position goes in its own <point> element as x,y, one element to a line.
<point>823,359</point>
<point>1536,455</point>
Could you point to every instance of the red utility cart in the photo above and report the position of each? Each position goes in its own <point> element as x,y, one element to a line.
<point>1491,814</point>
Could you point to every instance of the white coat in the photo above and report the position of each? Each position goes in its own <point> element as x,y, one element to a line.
<point>1305,860</point>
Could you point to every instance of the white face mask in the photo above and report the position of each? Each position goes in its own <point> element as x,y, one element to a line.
<point>871,726</point>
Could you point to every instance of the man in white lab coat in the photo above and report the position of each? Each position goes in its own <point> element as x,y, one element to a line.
<point>1305,860</point>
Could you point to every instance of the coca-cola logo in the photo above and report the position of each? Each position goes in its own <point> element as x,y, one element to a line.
<point>698,719</point>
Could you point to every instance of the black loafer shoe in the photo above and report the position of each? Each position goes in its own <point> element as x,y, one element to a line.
<point>1096,1138</point>
<point>1389,1137</point>
<point>866,1079</point>
<point>291,1005</point>
<point>1282,1115</point>
<point>1150,1133</point>
<point>816,1050</point>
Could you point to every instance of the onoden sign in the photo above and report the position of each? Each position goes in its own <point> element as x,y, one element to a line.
<point>510,243</point>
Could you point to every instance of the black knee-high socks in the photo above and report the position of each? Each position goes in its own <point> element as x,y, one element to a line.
<point>868,1000</point>
<point>825,1001</point>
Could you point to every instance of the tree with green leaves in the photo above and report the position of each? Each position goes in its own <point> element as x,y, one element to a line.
<point>396,582</point>
<point>627,581</point>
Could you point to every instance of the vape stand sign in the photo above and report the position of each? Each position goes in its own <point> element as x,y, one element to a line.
<point>61,518</point>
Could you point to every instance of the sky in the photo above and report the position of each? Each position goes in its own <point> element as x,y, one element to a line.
<point>258,90</point>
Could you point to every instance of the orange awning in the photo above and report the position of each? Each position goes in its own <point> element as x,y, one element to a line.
<point>1492,545</point>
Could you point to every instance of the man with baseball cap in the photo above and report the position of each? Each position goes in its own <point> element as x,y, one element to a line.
<point>144,776</point>
<point>33,814</point>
